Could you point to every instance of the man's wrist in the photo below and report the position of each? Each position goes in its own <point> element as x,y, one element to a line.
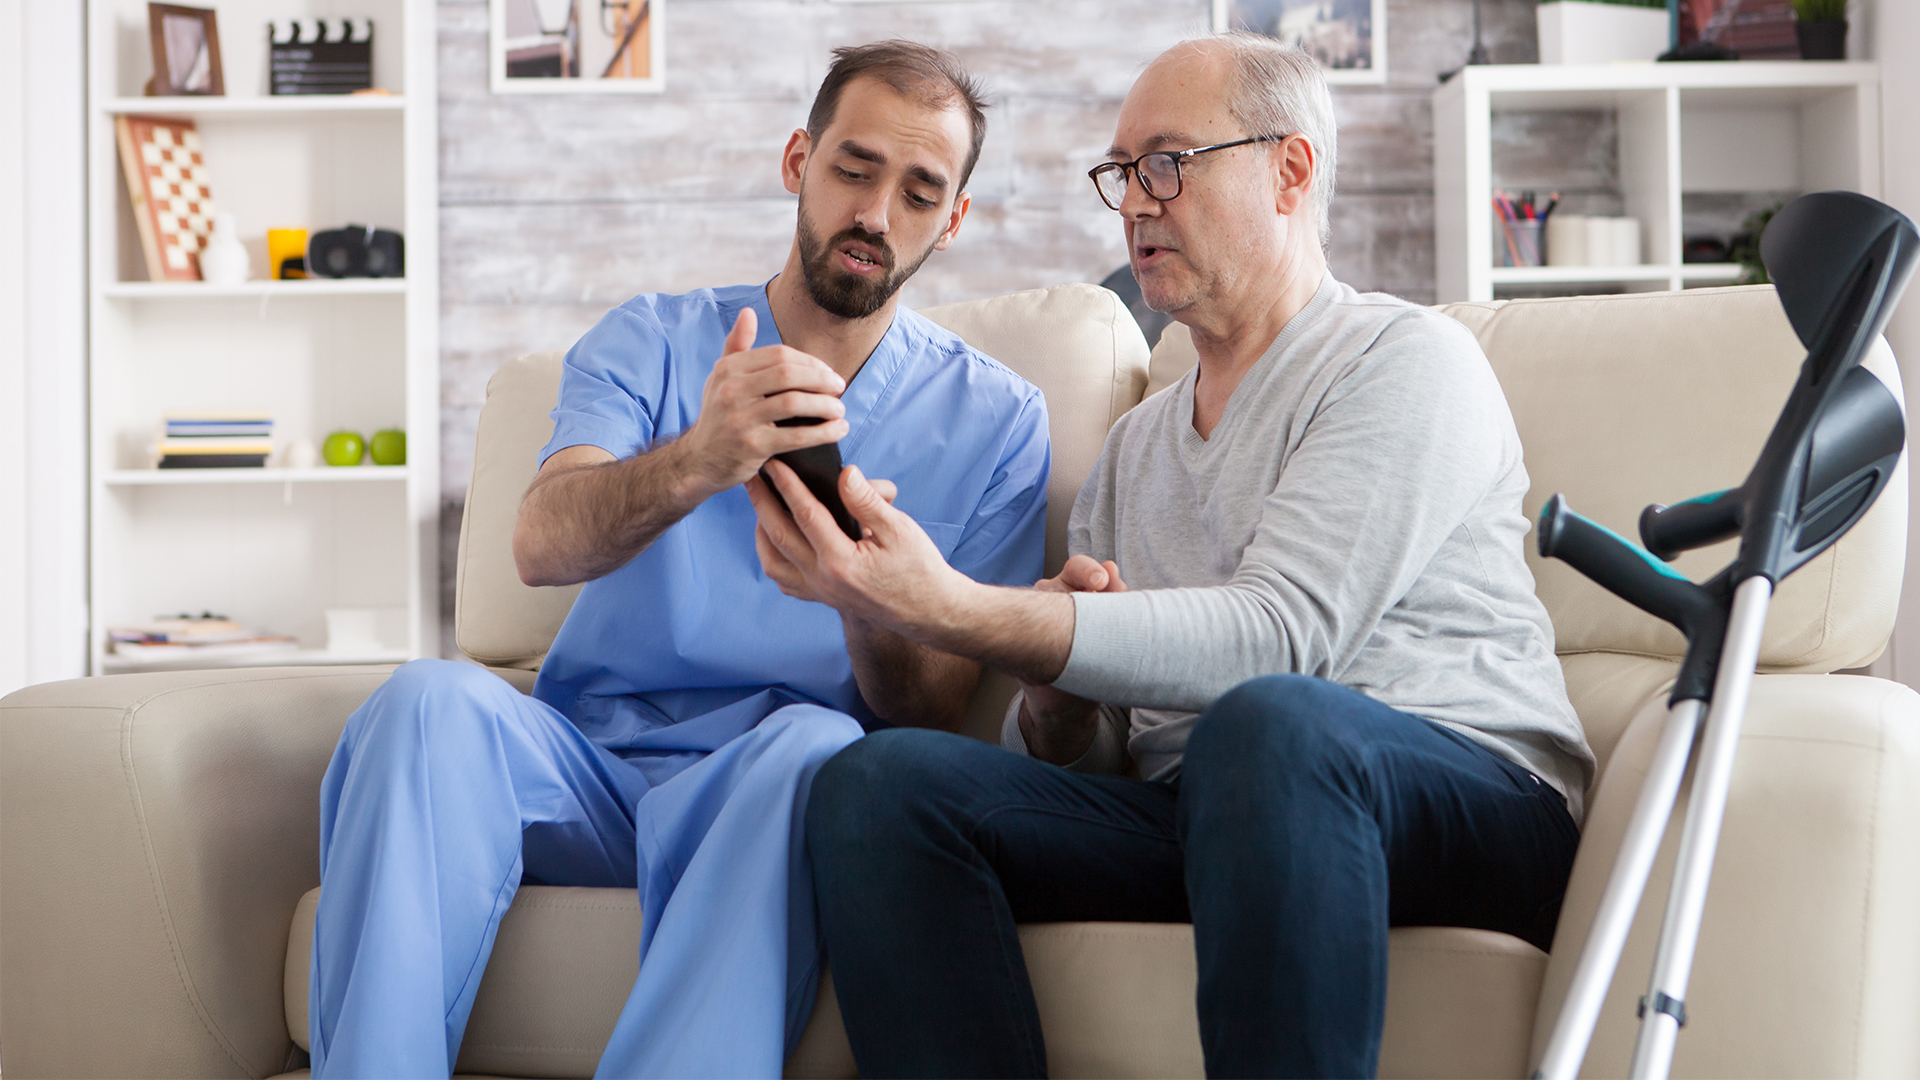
<point>949,615</point>
<point>686,480</point>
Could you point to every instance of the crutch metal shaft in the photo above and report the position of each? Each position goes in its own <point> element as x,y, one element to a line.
<point>1664,1009</point>
<point>1580,1011</point>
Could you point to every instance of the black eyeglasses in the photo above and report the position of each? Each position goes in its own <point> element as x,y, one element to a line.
<point>1158,171</point>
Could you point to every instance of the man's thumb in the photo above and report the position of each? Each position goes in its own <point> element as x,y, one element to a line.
<point>862,500</point>
<point>745,329</point>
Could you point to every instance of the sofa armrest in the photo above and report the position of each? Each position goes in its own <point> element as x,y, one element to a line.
<point>1809,954</point>
<point>156,832</point>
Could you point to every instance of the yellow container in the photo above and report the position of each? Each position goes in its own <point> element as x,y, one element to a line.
<point>284,244</point>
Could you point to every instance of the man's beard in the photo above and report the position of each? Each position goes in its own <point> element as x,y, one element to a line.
<point>839,292</point>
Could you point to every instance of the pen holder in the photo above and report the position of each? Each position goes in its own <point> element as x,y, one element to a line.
<point>1517,243</point>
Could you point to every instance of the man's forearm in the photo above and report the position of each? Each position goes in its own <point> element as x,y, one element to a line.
<point>907,683</point>
<point>588,521</point>
<point>1026,633</point>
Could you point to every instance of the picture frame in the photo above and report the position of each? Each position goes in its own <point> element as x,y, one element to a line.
<point>577,46</point>
<point>186,52</point>
<point>1348,37</point>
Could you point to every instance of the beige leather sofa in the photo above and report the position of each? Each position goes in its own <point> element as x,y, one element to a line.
<point>158,834</point>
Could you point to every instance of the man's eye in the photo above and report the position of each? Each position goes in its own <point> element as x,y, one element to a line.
<point>921,202</point>
<point>846,174</point>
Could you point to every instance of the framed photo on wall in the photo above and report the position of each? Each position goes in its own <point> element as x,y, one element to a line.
<point>1348,37</point>
<point>577,47</point>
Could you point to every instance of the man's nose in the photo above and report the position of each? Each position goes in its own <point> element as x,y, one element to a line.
<point>871,214</point>
<point>1135,203</point>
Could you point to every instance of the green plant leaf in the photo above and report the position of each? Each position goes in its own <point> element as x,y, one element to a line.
<point>1820,10</point>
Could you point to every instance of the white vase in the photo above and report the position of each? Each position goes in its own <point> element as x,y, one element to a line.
<point>224,260</point>
<point>1582,32</point>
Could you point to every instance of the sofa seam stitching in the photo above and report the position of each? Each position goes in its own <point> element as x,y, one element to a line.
<point>154,879</point>
<point>1866,894</point>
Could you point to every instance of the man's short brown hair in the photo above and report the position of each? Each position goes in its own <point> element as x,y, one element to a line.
<point>929,76</point>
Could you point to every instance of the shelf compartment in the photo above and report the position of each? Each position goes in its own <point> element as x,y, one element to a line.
<point>1726,272</point>
<point>264,288</point>
<point>1556,275</point>
<point>115,664</point>
<point>325,474</point>
<point>1679,130</point>
<point>255,106</point>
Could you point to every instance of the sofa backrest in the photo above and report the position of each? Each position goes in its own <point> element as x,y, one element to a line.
<point>1077,343</point>
<point>1637,398</point>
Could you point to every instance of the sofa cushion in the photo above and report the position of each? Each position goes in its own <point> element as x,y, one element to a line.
<point>1077,343</point>
<point>497,619</point>
<point>1700,376</point>
<point>1608,690</point>
<point>1115,999</point>
<point>1809,953</point>
<point>1081,347</point>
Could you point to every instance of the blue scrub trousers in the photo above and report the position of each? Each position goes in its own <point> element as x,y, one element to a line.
<point>1307,819</point>
<point>449,788</point>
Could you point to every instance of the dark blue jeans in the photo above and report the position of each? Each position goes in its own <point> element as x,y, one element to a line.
<point>1307,819</point>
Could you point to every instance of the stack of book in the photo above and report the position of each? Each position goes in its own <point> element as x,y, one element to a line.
<point>194,638</point>
<point>216,441</point>
<point>320,56</point>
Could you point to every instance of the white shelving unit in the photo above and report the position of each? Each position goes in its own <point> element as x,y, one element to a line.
<point>273,547</point>
<point>1683,128</point>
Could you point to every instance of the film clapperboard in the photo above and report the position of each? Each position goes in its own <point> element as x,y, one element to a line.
<point>320,56</point>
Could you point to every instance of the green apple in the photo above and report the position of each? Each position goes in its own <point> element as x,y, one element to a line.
<point>343,448</point>
<point>389,447</point>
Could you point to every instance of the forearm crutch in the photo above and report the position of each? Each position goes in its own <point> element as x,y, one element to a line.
<point>1839,262</point>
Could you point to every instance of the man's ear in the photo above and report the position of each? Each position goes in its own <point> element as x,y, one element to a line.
<point>793,160</point>
<point>960,206</point>
<point>1294,162</point>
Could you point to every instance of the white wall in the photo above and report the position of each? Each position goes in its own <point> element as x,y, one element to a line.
<point>1892,32</point>
<point>43,479</point>
<point>13,370</point>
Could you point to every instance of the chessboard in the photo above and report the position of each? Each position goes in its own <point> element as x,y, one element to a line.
<point>169,185</point>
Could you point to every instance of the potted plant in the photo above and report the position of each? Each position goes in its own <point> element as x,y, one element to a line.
<point>1822,27</point>
<point>1602,31</point>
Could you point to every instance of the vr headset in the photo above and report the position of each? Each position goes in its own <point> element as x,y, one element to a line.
<point>356,251</point>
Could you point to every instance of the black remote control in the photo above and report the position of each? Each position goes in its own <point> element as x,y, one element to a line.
<point>819,468</point>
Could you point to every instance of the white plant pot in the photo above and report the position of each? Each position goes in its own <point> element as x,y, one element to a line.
<point>1582,32</point>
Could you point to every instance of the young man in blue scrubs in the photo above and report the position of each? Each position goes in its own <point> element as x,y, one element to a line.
<point>677,723</point>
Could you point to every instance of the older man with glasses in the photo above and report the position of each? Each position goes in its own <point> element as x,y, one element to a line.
<point>1293,684</point>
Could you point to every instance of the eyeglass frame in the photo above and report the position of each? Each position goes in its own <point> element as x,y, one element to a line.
<point>1176,156</point>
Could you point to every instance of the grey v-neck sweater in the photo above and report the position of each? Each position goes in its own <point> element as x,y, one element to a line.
<point>1355,515</point>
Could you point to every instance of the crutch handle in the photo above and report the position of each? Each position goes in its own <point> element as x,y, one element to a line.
<point>1669,530</point>
<point>1615,563</point>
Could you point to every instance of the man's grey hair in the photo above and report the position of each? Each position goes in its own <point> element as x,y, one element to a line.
<point>1278,89</point>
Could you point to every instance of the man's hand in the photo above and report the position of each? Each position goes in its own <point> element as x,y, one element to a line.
<point>587,514</point>
<point>902,680</point>
<point>1056,725</point>
<point>1083,574</point>
<point>893,576</point>
<point>747,392</point>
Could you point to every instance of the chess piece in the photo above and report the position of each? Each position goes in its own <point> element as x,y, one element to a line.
<point>224,261</point>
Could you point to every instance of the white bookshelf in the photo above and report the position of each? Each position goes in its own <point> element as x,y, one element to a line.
<point>273,547</point>
<point>1744,126</point>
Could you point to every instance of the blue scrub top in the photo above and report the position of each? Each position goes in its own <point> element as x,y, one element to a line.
<point>692,625</point>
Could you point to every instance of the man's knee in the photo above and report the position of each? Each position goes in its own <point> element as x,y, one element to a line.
<point>866,787</point>
<point>436,699</point>
<point>809,732</point>
<point>1273,725</point>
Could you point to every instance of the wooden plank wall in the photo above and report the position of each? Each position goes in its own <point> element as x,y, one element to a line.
<point>554,210</point>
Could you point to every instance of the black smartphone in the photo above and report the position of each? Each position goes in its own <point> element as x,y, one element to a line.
<point>819,468</point>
